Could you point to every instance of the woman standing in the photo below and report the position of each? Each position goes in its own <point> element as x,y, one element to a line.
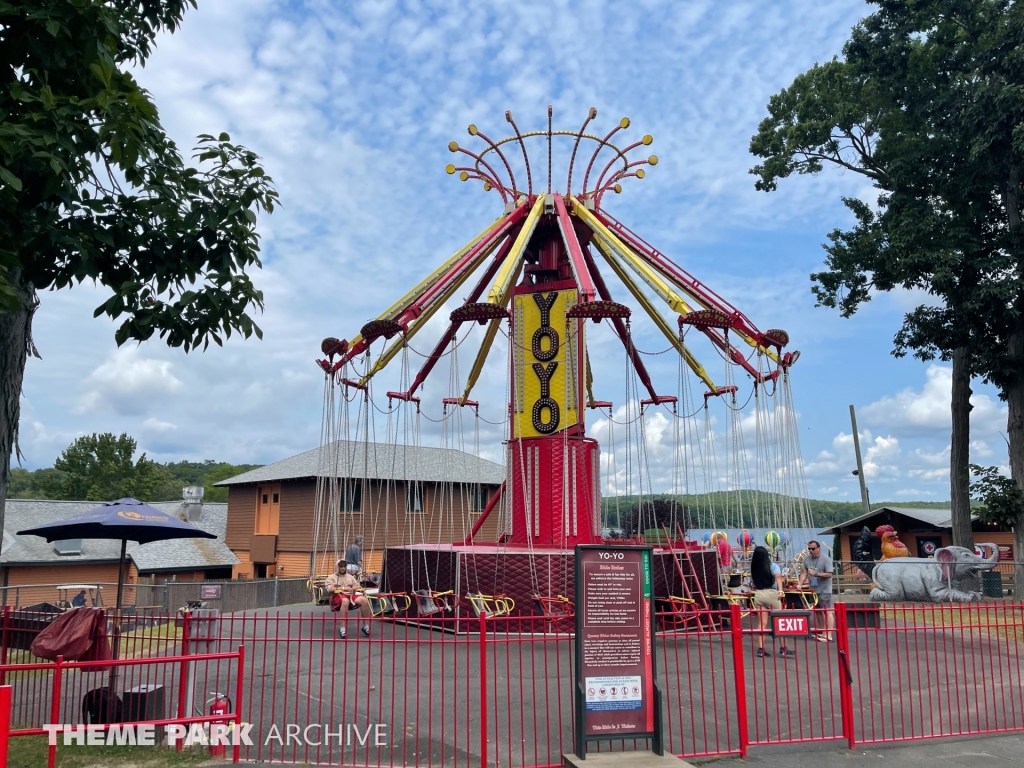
<point>767,578</point>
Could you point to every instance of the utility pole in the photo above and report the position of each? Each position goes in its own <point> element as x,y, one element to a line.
<point>860,464</point>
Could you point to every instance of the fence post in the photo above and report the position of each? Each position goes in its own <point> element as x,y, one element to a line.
<point>5,644</point>
<point>483,689</point>
<point>5,722</point>
<point>845,675</point>
<point>735,617</point>
<point>183,678</point>
<point>58,668</point>
<point>277,586</point>
<point>239,689</point>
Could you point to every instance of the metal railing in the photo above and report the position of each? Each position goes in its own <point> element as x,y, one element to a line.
<point>497,692</point>
<point>168,597</point>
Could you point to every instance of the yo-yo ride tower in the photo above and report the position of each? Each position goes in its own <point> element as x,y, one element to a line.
<point>553,467</point>
<point>537,272</point>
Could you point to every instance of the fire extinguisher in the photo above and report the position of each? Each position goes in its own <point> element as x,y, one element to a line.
<point>220,705</point>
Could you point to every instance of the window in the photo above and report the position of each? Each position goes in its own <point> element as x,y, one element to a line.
<point>479,496</point>
<point>268,509</point>
<point>68,547</point>
<point>350,496</point>
<point>414,497</point>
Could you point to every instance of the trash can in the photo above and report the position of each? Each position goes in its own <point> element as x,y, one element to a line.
<point>144,702</point>
<point>863,615</point>
<point>991,584</point>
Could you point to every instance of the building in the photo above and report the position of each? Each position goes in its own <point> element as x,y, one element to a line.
<point>32,569</point>
<point>389,494</point>
<point>921,530</point>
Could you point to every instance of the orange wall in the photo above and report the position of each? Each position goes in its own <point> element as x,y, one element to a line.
<point>24,583</point>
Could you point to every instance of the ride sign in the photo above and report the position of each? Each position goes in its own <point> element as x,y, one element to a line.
<point>616,695</point>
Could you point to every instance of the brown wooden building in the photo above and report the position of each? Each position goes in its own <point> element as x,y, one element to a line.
<point>389,494</point>
<point>31,570</point>
<point>921,530</point>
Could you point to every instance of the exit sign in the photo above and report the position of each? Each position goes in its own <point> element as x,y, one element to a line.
<point>787,623</point>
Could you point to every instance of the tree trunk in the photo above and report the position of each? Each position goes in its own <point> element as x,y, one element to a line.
<point>1015,438</point>
<point>959,453</point>
<point>15,345</point>
<point>1014,389</point>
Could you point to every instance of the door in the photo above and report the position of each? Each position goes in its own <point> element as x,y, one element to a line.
<point>268,508</point>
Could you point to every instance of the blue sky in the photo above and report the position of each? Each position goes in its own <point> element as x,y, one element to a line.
<point>352,105</point>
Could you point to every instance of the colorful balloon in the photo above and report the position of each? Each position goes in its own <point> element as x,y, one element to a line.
<point>773,541</point>
<point>718,536</point>
<point>743,538</point>
<point>707,538</point>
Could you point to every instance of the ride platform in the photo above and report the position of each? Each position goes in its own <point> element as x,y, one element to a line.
<point>539,583</point>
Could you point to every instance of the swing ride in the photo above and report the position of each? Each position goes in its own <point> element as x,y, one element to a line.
<point>542,270</point>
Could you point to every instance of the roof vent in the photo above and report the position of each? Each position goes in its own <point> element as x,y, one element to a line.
<point>193,502</point>
<point>68,547</point>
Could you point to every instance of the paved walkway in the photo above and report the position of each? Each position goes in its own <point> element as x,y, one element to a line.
<point>974,752</point>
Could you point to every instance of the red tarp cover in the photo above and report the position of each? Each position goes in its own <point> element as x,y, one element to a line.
<point>78,635</point>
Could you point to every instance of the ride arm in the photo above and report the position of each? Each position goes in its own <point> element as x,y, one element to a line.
<point>572,245</point>
<point>655,315</point>
<point>492,331</point>
<point>453,327</point>
<point>421,321</point>
<point>357,345</point>
<point>620,330</point>
<point>687,283</point>
<point>498,292</point>
<point>645,272</point>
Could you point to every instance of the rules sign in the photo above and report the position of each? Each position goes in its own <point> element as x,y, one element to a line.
<point>616,695</point>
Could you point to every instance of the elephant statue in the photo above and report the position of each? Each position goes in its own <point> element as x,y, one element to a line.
<point>938,579</point>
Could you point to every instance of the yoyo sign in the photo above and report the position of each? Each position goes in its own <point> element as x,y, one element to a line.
<point>616,690</point>
<point>791,623</point>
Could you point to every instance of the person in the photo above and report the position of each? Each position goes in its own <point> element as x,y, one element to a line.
<point>342,587</point>
<point>817,571</point>
<point>767,578</point>
<point>354,556</point>
<point>78,601</point>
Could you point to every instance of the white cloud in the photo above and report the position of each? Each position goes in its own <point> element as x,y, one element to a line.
<point>127,383</point>
<point>155,425</point>
<point>914,412</point>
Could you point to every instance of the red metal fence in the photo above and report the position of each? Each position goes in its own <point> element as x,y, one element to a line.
<point>422,694</point>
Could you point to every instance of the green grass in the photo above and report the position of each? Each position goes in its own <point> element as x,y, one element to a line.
<point>986,618</point>
<point>31,752</point>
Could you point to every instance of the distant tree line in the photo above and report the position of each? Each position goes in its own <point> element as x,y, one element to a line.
<point>689,509</point>
<point>103,467</point>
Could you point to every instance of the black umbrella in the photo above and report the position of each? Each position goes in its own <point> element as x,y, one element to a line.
<point>124,519</point>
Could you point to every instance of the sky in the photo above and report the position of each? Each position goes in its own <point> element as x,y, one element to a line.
<point>351,106</point>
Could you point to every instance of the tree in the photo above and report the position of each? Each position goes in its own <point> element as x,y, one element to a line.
<point>656,513</point>
<point>926,104</point>
<point>100,468</point>
<point>91,188</point>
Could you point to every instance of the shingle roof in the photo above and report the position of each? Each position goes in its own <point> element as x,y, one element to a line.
<point>940,518</point>
<point>173,555</point>
<point>378,461</point>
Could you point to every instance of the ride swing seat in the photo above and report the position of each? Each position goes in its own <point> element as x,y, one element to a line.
<point>555,609</point>
<point>388,603</point>
<point>429,602</point>
<point>491,606</point>
<point>678,613</point>
<point>317,588</point>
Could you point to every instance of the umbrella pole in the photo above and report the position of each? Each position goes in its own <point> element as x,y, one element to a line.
<point>115,651</point>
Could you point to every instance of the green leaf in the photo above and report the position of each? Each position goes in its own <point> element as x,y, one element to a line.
<point>10,179</point>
